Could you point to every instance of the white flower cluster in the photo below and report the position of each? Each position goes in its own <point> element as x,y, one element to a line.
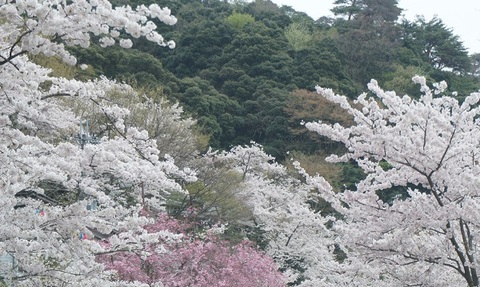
<point>426,151</point>
<point>49,25</point>
<point>38,145</point>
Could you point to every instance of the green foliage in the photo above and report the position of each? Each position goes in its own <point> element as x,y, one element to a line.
<point>383,10</point>
<point>369,40</point>
<point>437,44</point>
<point>214,198</point>
<point>298,36</point>
<point>256,45</point>
<point>199,47</point>
<point>61,69</point>
<point>367,10</point>
<point>461,84</point>
<point>132,66</point>
<point>385,165</point>
<point>265,8</point>
<point>401,82</point>
<point>347,8</point>
<point>351,175</point>
<point>475,64</point>
<point>321,64</point>
<point>266,121</point>
<point>210,108</point>
<point>368,53</point>
<point>239,20</point>
<point>389,195</point>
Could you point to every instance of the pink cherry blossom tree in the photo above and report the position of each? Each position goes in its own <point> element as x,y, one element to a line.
<point>195,258</point>
<point>429,146</point>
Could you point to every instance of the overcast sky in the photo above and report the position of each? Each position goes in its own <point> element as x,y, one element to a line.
<point>461,15</point>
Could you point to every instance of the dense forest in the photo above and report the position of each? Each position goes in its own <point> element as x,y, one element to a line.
<point>246,70</point>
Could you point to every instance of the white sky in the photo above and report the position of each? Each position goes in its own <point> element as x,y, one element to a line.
<point>463,16</point>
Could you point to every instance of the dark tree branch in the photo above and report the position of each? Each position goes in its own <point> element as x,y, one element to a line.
<point>56,95</point>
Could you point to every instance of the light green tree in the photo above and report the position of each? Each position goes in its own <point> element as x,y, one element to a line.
<point>239,20</point>
<point>298,36</point>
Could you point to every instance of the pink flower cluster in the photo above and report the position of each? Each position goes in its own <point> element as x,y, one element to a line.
<point>197,261</point>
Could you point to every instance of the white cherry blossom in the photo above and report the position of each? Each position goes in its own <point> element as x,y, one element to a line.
<point>429,146</point>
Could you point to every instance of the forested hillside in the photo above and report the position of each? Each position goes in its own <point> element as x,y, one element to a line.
<point>239,68</point>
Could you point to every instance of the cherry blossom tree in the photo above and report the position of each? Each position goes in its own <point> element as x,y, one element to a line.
<point>430,148</point>
<point>46,151</point>
<point>37,26</point>
<point>175,134</point>
<point>195,258</point>
<point>296,236</point>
